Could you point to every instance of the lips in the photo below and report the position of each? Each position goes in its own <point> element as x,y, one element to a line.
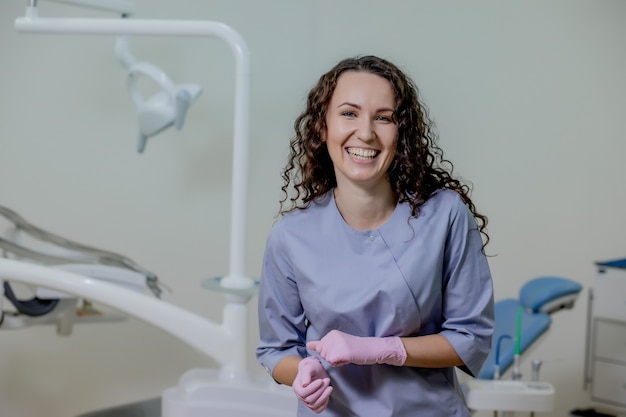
<point>362,154</point>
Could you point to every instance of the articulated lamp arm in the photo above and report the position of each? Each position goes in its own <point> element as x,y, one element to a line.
<point>32,23</point>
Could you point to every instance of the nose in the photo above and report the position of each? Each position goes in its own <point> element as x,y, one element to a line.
<point>365,129</point>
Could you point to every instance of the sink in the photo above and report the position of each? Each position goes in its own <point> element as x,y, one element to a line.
<point>505,395</point>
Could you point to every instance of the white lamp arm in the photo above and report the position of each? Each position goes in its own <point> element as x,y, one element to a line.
<point>123,7</point>
<point>32,23</point>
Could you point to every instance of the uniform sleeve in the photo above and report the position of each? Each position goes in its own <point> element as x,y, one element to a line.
<point>281,317</point>
<point>468,310</point>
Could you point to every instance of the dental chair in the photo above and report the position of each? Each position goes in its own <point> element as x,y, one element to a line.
<point>24,241</point>
<point>519,324</point>
<point>61,272</point>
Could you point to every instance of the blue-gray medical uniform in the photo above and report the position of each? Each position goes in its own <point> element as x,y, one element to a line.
<point>410,277</point>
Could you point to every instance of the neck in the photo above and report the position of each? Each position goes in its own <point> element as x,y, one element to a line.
<point>364,210</point>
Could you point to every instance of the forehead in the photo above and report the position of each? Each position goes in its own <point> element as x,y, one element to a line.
<point>363,86</point>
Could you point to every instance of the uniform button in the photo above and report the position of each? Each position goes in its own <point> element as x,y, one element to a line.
<point>372,237</point>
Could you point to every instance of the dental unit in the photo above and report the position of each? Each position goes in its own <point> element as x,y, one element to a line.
<point>65,269</point>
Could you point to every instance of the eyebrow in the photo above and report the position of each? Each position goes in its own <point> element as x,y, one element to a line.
<point>347,103</point>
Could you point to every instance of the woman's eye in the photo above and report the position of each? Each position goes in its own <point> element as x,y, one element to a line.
<point>385,118</point>
<point>348,114</point>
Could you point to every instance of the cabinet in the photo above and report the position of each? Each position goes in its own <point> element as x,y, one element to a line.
<point>605,370</point>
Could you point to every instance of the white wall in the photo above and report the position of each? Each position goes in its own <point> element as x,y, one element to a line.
<point>529,98</point>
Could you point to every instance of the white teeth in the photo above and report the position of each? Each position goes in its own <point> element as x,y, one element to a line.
<point>362,154</point>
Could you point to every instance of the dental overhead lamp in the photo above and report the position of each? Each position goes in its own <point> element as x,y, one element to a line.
<point>166,108</point>
<point>163,109</point>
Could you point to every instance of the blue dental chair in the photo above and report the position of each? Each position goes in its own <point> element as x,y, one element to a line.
<point>539,298</point>
<point>529,317</point>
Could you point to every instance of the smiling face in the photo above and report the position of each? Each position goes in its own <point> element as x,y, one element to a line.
<point>361,133</point>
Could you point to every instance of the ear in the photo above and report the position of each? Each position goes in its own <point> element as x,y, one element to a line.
<point>323,133</point>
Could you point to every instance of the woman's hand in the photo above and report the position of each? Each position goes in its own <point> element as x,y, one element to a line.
<point>339,348</point>
<point>312,384</point>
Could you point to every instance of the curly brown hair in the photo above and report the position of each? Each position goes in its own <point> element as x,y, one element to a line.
<point>419,168</point>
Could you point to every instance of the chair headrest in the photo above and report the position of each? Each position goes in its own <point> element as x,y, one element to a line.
<point>549,294</point>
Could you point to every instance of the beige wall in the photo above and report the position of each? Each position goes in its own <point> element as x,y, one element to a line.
<point>528,96</point>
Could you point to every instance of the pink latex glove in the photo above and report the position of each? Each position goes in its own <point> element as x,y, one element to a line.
<point>339,348</point>
<point>312,384</point>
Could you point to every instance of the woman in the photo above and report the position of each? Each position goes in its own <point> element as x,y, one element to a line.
<point>375,285</point>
